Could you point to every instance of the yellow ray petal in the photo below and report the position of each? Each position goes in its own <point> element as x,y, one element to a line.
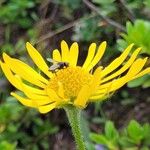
<point>52,95</point>
<point>24,101</point>
<point>38,60</point>
<point>56,55</point>
<point>61,90</point>
<point>82,97</point>
<point>47,108</point>
<point>117,62</point>
<point>137,67</point>
<point>24,71</point>
<point>119,83</point>
<point>32,102</point>
<point>29,87</point>
<point>87,90</point>
<point>11,78</point>
<point>64,51</point>
<point>98,56</point>
<point>102,93</point>
<point>134,70</point>
<point>42,102</point>
<point>73,54</point>
<point>36,97</point>
<point>142,73</point>
<point>38,100</point>
<point>91,53</point>
<point>125,67</point>
<point>96,79</point>
<point>17,82</point>
<point>106,85</point>
<point>34,90</point>
<point>99,97</point>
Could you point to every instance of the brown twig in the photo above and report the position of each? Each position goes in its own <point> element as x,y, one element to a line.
<point>51,34</point>
<point>108,20</point>
<point>62,29</point>
<point>129,11</point>
<point>44,8</point>
<point>52,16</point>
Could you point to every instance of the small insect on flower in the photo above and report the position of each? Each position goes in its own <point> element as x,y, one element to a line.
<point>57,65</point>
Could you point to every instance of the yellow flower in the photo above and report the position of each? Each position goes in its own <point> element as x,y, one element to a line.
<point>72,85</point>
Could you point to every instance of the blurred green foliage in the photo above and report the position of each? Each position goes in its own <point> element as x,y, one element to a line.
<point>138,34</point>
<point>17,12</point>
<point>81,31</point>
<point>147,3</point>
<point>143,81</point>
<point>4,145</point>
<point>17,48</point>
<point>14,117</point>
<point>72,5</point>
<point>107,7</point>
<point>132,137</point>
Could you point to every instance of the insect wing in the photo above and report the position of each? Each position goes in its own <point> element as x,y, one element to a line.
<point>54,67</point>
<point>51,60</point>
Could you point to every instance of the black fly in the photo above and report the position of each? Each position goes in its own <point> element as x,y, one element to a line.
<point>57,65</point>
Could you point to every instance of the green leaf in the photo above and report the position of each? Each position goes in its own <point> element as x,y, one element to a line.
<point>110,131</point>
<point>144,148</point>
<point>137,33</point>
<point>135,131</point>
<point>138,82</point>
<point>126,142</point>
<point>146,84</point>
<point>4,145</point>
<point>147,3</point>
<point>129,27</point>
<point>99,139</point>
<point>146,130</point>
<point>146,134</point>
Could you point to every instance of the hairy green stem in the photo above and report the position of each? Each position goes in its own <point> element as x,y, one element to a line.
<point>74,117</point>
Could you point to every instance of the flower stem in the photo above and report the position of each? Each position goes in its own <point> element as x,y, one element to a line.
<point>74,117</point>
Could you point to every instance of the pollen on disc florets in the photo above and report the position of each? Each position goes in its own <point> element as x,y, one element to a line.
<point>72,79</point>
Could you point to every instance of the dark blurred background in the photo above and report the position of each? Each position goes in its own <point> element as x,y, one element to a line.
<point>44,23</point>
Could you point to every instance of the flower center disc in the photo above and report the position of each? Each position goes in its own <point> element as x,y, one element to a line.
<point>72,80</point>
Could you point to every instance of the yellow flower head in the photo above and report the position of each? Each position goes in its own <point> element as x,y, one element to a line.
<point>67,83</point>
